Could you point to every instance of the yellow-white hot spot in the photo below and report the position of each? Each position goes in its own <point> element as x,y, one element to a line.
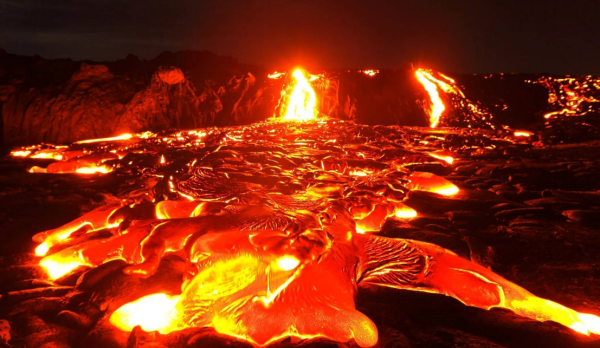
<point>156,312</point>
<point>303,101</point>
<point>287,263</point>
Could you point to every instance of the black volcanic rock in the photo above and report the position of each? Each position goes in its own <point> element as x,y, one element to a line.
<point>511,99</point>
<point>390,97</point>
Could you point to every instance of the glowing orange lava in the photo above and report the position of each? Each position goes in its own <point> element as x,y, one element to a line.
<point>156,312</point>
<point>422,181</point>
<point>48,155</point>
<point>93,170</point>
<point>447,159</point>
<point>302,101</point>
<point>68,168</point>
<point>120,137</point>
<point>473,113</point>
<point>573,96</point>
<point>277,226</point>
<point>276,75</point>
<point>20,153</point>
<point>437,105</point>
<point>370,72</point>
<point>523,133</point>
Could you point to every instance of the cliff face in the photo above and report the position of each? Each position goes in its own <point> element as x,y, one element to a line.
<point>86,105</point>
<point>390,97</point>
<point>61,101</point>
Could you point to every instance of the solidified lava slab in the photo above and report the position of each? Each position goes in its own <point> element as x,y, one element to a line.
<point>527,213</point>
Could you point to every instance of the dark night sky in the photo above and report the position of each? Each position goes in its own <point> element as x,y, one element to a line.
<point>453,36</point>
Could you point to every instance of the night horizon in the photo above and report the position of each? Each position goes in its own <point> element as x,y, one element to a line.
<point>460,37</point>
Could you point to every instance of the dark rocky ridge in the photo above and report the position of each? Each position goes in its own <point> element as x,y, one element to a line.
<point>61,101</point>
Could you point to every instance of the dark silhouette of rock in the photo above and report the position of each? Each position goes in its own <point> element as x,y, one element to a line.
<point>61,101</point>
<point>169,101</point>
<point>85,106</point>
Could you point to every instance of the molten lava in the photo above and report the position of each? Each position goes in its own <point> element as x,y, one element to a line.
<point>276,75</point>
<point>277,223</point>
<point>447,159</point>
<point>465,113</point>
<point>571,96</point>
<point>270,261</point>
<point>432,183</point>
<point>120,137</point>
<point>302,101</point>
<point>522,133</point>
<point>156,312</point>
<point>437,107</point>
<point>370,72</point>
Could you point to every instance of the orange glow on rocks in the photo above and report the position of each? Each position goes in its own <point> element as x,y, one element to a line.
<point>523,133</point>
<point>421,181</point>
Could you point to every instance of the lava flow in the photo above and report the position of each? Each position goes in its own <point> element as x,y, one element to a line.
<point>472,114</point>
<point>301,103</point>
<point>572,96</point>
<point>437,105</point>
<point>277,224</point>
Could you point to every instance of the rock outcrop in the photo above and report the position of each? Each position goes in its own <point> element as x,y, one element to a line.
<point>61,101</point>
<point>169,101</point>
<point>85,106</point>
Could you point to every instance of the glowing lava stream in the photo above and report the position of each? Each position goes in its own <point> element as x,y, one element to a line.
<point>438,106</point>
<point>303,101</point>
<point>120,137</point>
